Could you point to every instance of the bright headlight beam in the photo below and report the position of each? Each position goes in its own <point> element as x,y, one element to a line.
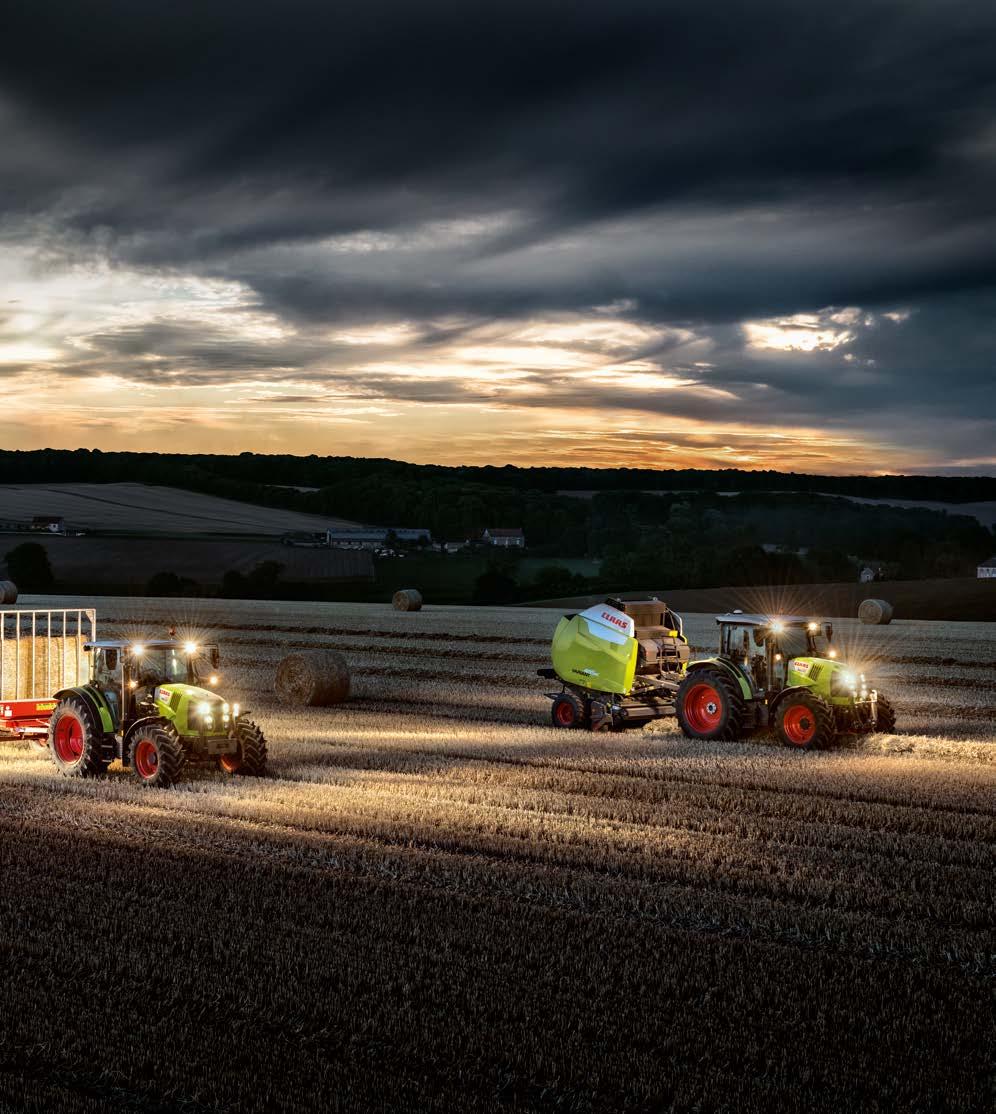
<point>190,647</point>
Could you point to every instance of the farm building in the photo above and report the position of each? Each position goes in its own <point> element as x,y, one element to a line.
<point>506,539</point>
<point>373,537</point>
<point>987,570</point>
<point>49,524</point>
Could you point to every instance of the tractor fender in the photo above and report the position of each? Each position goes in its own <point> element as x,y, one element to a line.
<point>136,726</point>
<point>728,667</point>
<point>95,700</point>
<point>775,701</point>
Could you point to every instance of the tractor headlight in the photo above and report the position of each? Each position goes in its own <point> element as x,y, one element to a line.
<point>204,709</point>
<point>235,711</point>
<point>849,680</point>
<point>190,647</point>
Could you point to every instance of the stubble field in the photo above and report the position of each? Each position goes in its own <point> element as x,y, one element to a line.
<point>436,902</point>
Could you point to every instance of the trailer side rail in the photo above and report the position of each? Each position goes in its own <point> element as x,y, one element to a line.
<point>29,641</point>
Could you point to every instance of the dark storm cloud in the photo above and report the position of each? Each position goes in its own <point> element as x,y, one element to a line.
<point>454,163</point>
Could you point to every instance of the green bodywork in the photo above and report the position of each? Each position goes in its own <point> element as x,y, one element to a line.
<point>180,704</point>
<point>583,655</point>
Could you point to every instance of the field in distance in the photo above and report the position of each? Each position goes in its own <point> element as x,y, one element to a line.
<point>436,902</point>
<point>144,508</point>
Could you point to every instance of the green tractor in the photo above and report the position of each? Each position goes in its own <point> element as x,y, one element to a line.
<point>779,673</point>
<point>147,705</point>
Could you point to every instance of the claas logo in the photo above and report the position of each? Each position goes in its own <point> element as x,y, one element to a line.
<point>614,619</point>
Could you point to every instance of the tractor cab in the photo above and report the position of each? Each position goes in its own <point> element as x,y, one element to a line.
<point>763,647</point>
<point>129,674</point>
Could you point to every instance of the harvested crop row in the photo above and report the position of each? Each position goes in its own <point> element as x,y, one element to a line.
<point>429,872</point>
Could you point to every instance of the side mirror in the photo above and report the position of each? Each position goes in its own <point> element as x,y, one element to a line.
<point>215,657</point>
<point>111,659</point>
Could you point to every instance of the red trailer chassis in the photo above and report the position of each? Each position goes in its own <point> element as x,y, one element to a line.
<point>40,653</point>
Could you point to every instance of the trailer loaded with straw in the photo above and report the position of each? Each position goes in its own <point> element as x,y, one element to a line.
<point>41,652</point>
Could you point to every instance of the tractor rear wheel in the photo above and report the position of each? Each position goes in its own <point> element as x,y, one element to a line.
<point>886,716</point>
<point>709,705</point>
<point>805,722</point>
<point>157,755</point>
<point>250,759</point>
<point>567,711</point>
<point>75,739</point>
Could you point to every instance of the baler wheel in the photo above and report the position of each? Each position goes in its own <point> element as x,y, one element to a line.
<point>157,755</point>
<point>75,738</point>
<point>805,722</point>
<point>250,759</point>
<point>567,711</point>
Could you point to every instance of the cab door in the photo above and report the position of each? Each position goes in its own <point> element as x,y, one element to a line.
<point>107,674</point>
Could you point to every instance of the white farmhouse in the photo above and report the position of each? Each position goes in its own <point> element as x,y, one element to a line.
<point>987,570</point>
<point>505,539</point>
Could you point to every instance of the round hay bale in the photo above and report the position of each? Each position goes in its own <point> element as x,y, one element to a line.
<point>313,678</point>
<point>877,613</point>
<point>8,591</point>
<point>407,599</point>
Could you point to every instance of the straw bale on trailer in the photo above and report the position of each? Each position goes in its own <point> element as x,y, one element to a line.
<point>40,666</point>
<point>8,591</point>
<point>313,678</point>
<point>875,612</point>
<point>407,599</point>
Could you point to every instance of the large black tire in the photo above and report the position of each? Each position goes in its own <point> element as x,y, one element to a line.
<point>886,722</point>
<point>157,755</point>
<point>75,738</point>
<point>250,759</point>
<point>805,722</point>
<point>710,705</point>
<point>567,711</point>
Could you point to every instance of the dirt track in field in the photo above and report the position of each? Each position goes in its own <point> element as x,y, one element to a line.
<point>435,902</point>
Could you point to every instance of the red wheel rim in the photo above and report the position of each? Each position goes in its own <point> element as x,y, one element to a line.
<point>146,758</point>
<point>703,707</point>
<point>230,763</point>
<point>563,713</point>
<point>68,739</point>
<point>799,724</point>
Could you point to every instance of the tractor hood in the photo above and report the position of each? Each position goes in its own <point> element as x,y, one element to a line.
<point>175,693</point>
<point>193,710</point>
<point>827,674</point>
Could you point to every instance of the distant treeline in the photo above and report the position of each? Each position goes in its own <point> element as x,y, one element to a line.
<point>687,535</point>
<point>255,469</point>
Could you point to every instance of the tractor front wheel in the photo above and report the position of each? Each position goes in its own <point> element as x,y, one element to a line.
<point>885,719</point>
<point>250,758</point>
<point>75,739</point>
<point>157,756</point>
<point>710,705</point>
<point>567,711</point>
<point>805,722</point>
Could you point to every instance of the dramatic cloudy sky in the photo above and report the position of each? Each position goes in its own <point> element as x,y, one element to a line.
<point>657,233</point>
